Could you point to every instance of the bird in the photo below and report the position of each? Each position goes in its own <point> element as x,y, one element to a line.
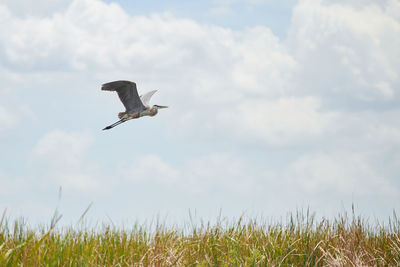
<point>136,106</point>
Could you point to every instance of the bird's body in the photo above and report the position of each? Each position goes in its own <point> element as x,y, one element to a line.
<point>136,106</point>
<point>147,112</point>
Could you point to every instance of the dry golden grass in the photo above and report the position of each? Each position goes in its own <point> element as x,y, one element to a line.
<point>301,241</point>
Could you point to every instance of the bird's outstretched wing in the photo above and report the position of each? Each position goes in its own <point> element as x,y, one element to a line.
<point>146,98</point>
<point>128,94</point>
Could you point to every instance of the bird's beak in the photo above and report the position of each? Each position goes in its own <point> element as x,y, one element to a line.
<point>158,106</point>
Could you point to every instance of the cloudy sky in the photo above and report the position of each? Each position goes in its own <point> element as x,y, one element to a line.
<point>274,106</point>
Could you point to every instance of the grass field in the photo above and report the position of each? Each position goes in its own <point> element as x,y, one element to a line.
<point>299,241</point>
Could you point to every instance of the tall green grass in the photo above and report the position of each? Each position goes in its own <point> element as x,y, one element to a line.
<point>300,241</point>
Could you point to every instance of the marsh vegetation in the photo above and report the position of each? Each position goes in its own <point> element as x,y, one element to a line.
<point>299,241</point>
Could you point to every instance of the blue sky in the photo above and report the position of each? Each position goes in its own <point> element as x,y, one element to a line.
<point>274,106</point>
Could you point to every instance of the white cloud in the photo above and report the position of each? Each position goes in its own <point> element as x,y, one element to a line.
<point>264,65</point>
<point>58,149</point>
<point>60,158</point>
<point>345,173</point>
<point>283,121</point>
<point>5,13</point>
<point>223,171</point>
<point>150,168</point>
<point>346,52</point>
<point>217,171</point>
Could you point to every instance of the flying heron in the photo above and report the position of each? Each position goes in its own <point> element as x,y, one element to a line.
<point>136,106</point>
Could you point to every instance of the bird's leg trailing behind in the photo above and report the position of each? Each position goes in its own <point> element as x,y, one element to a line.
<point>124,116</point>
<point>115,124</point>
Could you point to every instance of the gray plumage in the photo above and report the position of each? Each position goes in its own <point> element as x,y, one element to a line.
<point>128,94</point>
